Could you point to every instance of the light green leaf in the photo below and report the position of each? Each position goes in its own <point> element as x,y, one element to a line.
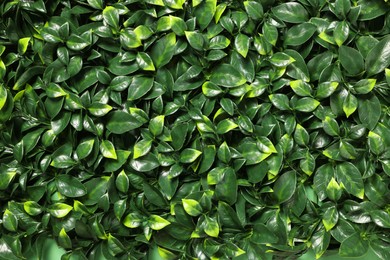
<point>192,207</point>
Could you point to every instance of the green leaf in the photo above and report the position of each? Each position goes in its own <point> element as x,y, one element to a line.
<point>114,245</point>
<point>132,220</point>
<point>59,210</point>
<point>122,182</point>
<point>108,150</point>
<point>301,88</point>
<point>320,241</point>
<point>139,87</point>
<point>153,195</point>
<point>351,60</point>
<point>111,17</point>
<point>308,164</point>
<point>10,222</point>
<point>189,155</point>
<point>341,32</point>
<point>175,4</point>
<point>64,240</point>
<point>157,223</point>
<point>97,4</point>
<point>321,180</point>
<point>281,59</point>
<point>299,34</point>
<point>284,186</point>
<point>364,86</point>
<point>350,104</point>
<point>291,12</point>
<point>142,147</point>
<point>145,62</point>
<point>211,227</point>
<point>251,153</point>
<point>330,126</point>
<point>209,89</point>
<point>381,218</point>
<point>70,186</point>
<point>333,190</point>
<point>218,76</point>
<point>226,188</point>
<point>192,207</point>
<point>330,218</point>
<point>129,39</point>
<point>146,163</point>
<point>3,96</point>
<point>120,122</point>
<point>54,91</point>
<point>156,125</point>
<point>224,153</point>
<point>349,176</point>
<point>85,148</point>
<point>265,145</point>
<point>204,13</point>
<point>195,40</point>
<point>254,10</point>
<point>375,143</point>
<point>379,57</point>
<point>380,248</point>
<point>270,33</point>
<point>306,104</point>
<point>32,208</point>
<point>163,50</point>
<point>353,246</point>
<point>280,101</point>
<point>241,43</point>
<point>369,110</point>
<point>219,42</point>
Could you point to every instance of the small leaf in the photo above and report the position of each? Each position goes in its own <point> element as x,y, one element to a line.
<point>254,10</point>
<point>32,208</point>
<point>379,57</point>
<point>192,207</point>
<point>330,218</point>
<point>219,73</point>
<point>241,43</point>
<point>350,177</point>
<point>291,12</point>
<point>111,16</point>
<point>350,105</point>
<point>156,125</point>
<point>145,62</point>
<point>375,142</point>
<point>10,222</point>
<point>108,150</point>
<point>64,240</point>
<point>132,220</point>
<point>85,148</point>
<point>157,223</point>
<point>301,88</point>
<point>306,104</point>
<point>122,182</point>
<point>280,101</point>
<point>70,186</point>
<point>120,122</point>
<point>59,210</point>
<point>141,148</point>
<point>333,190</point>
<point>351,60</point>
<point>284,186</point>
<point>211,227</point>
<point>189,155</point>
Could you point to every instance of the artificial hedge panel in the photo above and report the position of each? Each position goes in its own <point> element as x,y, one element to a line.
<point>210,129</point>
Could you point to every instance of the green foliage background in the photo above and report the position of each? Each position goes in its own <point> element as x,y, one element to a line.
<point>206,129</point>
